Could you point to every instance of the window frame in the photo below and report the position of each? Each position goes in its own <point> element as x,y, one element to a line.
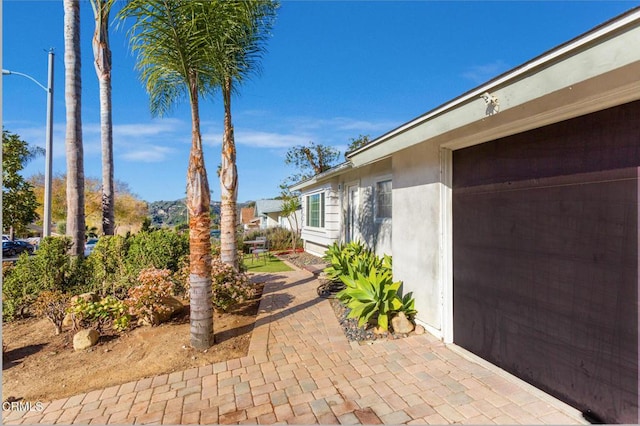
<point>320,211</point>
<point>376,193</point>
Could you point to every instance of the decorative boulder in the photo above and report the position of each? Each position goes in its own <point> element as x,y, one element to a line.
<point>170,307</point>
<point>419,330</point>
<point>401,324</point>
<point>84,339</point>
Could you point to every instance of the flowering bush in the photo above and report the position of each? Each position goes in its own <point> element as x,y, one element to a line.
<point>145,300</point>
<point>229,286</point>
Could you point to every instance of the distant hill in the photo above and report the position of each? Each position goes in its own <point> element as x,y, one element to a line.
<point>172,213</point>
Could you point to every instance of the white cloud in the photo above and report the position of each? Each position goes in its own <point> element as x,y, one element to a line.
<point>153,128</point>
<point>482,73</point>
<point>148,154</point>
<point>258,139</point>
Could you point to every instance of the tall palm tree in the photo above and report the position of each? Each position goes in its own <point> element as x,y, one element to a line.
<point>73,138</point>
<point>234,54</point>
<point>168,41</point>
<point>102,63</point>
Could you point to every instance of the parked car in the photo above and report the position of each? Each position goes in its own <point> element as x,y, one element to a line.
<point>13,248</point>
<point>89,246</point>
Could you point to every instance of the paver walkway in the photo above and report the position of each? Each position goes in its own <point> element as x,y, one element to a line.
<point>301,369</point>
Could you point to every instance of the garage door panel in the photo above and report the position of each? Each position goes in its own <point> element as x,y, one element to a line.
<point>545,258</point>
<point>543,277</point>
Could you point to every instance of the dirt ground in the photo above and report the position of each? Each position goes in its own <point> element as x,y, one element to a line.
<point>39,366</point>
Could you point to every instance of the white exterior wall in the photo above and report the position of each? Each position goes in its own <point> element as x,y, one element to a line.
<point>316,240</point>
<point>418,231</point>
<point>375,233</point>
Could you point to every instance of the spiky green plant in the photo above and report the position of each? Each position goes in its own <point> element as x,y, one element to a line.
<point>371,297</point>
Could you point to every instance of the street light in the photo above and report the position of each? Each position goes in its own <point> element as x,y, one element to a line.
<point>46,222</point>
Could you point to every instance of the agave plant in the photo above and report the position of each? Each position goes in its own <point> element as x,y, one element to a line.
<point>372,296</point>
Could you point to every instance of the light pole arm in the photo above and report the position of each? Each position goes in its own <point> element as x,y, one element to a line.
<point>7,72</point>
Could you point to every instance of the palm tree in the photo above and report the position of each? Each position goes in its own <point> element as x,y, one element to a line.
<point>102,57</point>
<point>73,138</point>
<point>169,44</point>
<point>234,54</point>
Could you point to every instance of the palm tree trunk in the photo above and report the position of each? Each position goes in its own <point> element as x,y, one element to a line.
<point>73,138</point>
<point>228,184</point>
<point>102,57</point>
<point>198,205</point>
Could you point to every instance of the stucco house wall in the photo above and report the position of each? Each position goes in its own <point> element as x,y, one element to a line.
<point>417,230</point>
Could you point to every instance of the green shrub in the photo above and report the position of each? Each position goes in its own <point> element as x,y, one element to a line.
<point>107,266</point>
<point>373,297</point>
<point>161,249</point>
<point>146,299</point>
<point>107,312</point>
<point>369,290</point>
<point>51,268</point>
<point>352,259</point>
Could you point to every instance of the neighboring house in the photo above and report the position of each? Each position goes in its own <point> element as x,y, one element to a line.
<point>268,214</point>
<point>248,218</point>
<point>512,214</point>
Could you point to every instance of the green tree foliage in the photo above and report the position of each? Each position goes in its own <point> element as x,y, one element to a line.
<point>130,210</point>
<point>355,143</point>
<point>310,160</point>
<point>19,202</point>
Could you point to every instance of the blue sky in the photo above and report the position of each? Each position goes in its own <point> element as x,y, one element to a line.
<point>334,70</point>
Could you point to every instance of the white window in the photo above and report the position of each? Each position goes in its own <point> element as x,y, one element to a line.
<point>315,210</point>
<point>383,199</point>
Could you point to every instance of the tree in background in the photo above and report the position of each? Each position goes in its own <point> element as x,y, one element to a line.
<point>130,211</point>
<point>310,160</point>
<point>355,143</point>
<point>102,62</point>
<point>19,201</point>
<point>290,207</point>
<point>73,140</point>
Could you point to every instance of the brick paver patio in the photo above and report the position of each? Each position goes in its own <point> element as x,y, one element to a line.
<point>301,369</point>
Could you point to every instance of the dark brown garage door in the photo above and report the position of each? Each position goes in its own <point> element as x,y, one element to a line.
<point>545,258</point>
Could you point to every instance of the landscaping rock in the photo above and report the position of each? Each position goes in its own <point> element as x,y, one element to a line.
<point>84,339</point>
<point>67,322</point>
<point>401,324</point>
<point>419,330</point>
<point>172,307</point>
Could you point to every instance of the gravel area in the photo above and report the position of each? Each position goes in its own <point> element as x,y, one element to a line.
<point>302,259</point>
